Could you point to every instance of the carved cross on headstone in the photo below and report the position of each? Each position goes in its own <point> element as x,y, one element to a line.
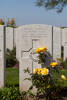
<point>27,53</point>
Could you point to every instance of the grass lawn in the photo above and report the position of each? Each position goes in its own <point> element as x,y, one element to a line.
<point>12,76</point>
<point>57,76</point>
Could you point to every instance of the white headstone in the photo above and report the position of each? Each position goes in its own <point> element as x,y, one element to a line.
<point>17,40</point>
<point>56,43</point>
<point>14,30</point>
<point>9,38</point>
<point>2,57</point>
<point>32,37</point>
<point>64,39</point>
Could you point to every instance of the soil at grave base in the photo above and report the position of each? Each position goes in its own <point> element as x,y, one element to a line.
<point>63,94</point>
<point>36,98</point>
<point>33,98</point>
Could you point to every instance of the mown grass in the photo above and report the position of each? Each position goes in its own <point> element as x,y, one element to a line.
<point>57,76</point>
<point>12,77</point>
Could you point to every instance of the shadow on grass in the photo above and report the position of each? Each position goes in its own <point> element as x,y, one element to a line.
<point>12,85</point>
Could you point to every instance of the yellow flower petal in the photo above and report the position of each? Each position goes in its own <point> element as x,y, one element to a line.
<point>45,48</point>
<point>39,71</point>
<point>44,71</point>
<point>53,64</point>
<point>35,70</point>
<point>63,77</point>
<point>38,50</point>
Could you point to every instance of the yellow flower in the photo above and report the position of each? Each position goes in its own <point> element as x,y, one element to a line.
<point>44,71</point>
<point>63,77</point>
<point>39,71</point>
<point>38,50</point>
<point>45,48</point>
<point>53,64</point>
<point>35,70</point>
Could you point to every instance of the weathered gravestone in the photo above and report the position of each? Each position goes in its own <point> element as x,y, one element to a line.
<point>31,37</point>
<point>17,33</point>
<point>14,32</point>
<point>56,42</point>
<point>64,42</point>
<point>2,56</point>
<point>9,38</point>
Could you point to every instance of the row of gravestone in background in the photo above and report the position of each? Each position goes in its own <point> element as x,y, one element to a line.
<point>26,38</point>
<point>53,37</point>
